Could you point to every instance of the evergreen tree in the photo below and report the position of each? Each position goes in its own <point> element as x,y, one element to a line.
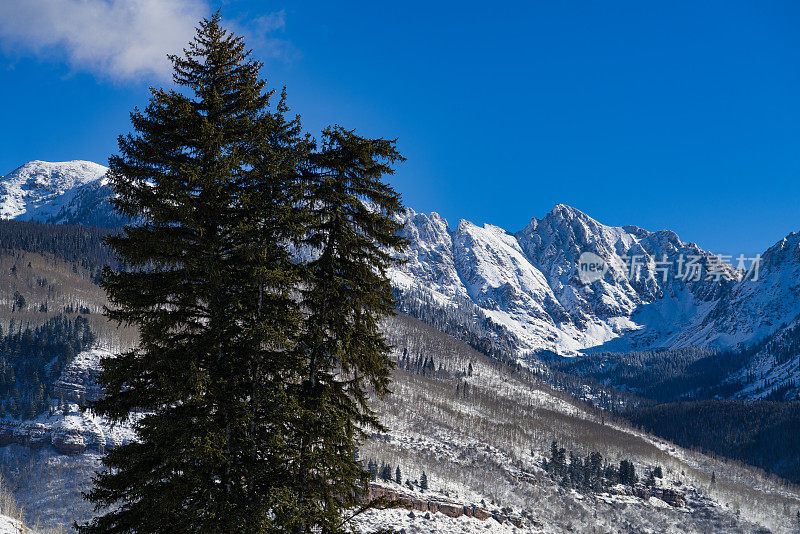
<point>353,233</point>
<point>575,470</point>
<point>386,473</point>
<point>398,478</point>
<point>423,481</point>
<point>557,466</point>
<point>595,469</point>
<point>372,468</point>
<point>210,175</point>
<point>627,473</point>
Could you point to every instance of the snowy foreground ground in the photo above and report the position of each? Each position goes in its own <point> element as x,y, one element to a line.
<point>406,522</point>
<point>10,526</point>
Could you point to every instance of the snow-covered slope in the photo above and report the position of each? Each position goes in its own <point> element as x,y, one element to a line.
<point>752,311</point>
<point>481,431</point>
<point>70,430</point>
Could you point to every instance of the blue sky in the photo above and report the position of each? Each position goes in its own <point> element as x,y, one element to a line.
<point>679,115</point>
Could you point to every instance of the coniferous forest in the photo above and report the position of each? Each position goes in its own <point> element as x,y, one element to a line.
<point>32,358</point>
<point>82,245</point>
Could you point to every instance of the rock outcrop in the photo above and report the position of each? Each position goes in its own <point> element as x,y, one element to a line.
<point>393,498</point>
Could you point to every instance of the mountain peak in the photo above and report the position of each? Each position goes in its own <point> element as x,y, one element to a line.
<point>72,166</point>
<point>36,188</point>
<point>560,212</point>
<point>564,210</point>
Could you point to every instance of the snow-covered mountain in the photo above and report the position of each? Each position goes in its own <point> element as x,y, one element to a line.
<point>525,287</point>
<point>70,192</point>
<point>530,284</point>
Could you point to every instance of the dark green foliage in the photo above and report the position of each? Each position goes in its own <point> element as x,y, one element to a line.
<point>593,466</point>
<point>658,472</point>
<point>31,360</point>
<point>423,482</point>
<point>760,433</point>
<point>77,244</point>
<point>211,175</point>
<point>557,465</point>
<point>386,473</point>
<point>590,474</point>
<point>627,473</point>
<point>398,477</point>
<point>372,469</point>
<point>353,233</point>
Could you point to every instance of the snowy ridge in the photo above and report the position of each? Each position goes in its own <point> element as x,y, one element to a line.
<point>754,310</point>
<point>529,284</point>
<point>525,285</point>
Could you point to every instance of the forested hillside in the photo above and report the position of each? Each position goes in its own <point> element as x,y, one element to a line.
<point>483,429</point>
<point>32,359</point>
<point>470,430</point>
<point>82,245</point>
<point>690,396</point>
<point>666,375</point>
<point>760,433</point>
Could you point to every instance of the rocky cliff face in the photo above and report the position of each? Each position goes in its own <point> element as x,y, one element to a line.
<point>73,430</point>
<point>655,291</point>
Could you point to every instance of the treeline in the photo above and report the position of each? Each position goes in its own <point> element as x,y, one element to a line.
<point>465,322</point>
<point>82,245</point>
<point>593,474</point>
<point>426,366</point>
<point>32,358</point>
<point>760,433</point>
<point>666,375</point>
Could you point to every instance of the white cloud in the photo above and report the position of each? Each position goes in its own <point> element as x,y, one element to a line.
<point>259,35</point>
<point>119,39</point>
<point>271,22</point>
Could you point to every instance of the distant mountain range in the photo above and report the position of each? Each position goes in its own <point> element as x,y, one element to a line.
<point>525,287</point>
